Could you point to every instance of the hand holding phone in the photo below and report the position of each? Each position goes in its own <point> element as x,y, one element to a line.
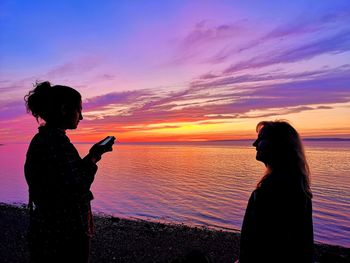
<point>102,147</point>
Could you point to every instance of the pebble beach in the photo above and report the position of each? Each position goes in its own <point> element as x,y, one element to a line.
<point>136,241</point>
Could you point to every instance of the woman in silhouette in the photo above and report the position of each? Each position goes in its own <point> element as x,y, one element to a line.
<point>58,179</point>
<point>277,225</point>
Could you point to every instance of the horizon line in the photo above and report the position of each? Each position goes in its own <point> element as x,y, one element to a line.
<point>205,141</point>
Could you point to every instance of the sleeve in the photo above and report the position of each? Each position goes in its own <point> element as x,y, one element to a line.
<point>72,175</point>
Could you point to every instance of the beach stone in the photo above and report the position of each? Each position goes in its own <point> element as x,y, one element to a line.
<point>138,241</point>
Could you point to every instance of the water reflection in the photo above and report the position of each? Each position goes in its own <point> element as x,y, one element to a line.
<point>197,184</point>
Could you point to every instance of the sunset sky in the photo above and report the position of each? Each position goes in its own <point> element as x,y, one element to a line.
<point>179,70</point>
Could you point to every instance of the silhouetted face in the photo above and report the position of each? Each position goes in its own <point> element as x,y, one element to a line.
<point>263,147</point>
<point>72,117</point>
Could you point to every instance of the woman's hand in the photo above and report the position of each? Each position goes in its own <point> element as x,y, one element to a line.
<point>98,149</point>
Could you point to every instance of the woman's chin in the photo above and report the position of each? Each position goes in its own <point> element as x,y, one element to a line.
<point>73,127</point>
<point>259,158</point>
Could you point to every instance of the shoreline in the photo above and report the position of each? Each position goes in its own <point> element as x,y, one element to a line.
<point>136,240</point>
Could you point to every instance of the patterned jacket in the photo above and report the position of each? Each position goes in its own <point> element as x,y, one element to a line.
<point>59,183</point>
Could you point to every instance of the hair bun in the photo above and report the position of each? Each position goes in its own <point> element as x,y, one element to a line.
<point>37,100</point>
<point>42,87</point>
<point>41,92</point>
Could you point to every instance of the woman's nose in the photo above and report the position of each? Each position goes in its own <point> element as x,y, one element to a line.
<point>255,143</point>
<point>80,116</point>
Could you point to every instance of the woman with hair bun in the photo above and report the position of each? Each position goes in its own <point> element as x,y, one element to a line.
<point>58,178</point>
<point>277,225</point>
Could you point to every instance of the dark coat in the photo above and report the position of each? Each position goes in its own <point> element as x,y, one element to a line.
<point>59,189</point>
<point>277,225</point>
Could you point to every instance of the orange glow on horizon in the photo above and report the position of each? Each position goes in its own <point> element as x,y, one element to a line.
<point>315,123</point>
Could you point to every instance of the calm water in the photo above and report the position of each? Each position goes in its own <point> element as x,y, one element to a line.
<point>198,184</point>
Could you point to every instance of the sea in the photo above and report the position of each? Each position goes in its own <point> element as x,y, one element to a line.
<point>203,184</point>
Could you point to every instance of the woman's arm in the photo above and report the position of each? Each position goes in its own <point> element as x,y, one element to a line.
<point>72,175</point>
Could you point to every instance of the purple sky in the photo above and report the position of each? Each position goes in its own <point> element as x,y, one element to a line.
<point>184,70</point>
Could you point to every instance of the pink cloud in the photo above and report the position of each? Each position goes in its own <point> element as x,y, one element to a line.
<point>204,32</point>
<point>78,66</point>
<point>207,37</point>
<point>318,88</point>
<point>335,44</point>
<point>302,29</point>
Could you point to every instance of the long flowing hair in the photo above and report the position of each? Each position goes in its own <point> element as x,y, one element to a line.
<point>287,153</point>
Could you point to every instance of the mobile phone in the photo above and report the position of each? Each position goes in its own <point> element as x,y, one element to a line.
<point>107,140</point>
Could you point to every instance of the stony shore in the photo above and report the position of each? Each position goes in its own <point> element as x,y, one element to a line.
<point>125,240</point>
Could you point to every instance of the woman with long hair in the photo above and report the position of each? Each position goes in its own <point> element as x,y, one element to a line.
<point>277,225</point>
<point>58,178</point>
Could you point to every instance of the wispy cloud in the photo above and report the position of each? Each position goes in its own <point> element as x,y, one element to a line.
<point>207,37</point>
<point>226,79</point>
<point>301,29</point>
<point>79,66</point>
<point>12,110</point>
<point>199,103</point>
<point>334,44</point>
<point>205,31</point>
